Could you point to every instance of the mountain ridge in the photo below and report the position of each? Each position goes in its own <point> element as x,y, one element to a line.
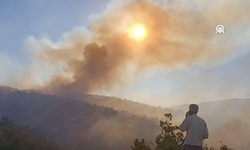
<point>79,122</point>
<point>68,121</point>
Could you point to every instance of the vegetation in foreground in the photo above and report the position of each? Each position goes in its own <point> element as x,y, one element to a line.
<point>170,138</point>
<point>20,137</point>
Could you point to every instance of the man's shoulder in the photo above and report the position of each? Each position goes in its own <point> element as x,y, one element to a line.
<point>201,119</point>
<point>194,117</point>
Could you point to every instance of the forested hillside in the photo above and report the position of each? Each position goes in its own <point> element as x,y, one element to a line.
<point>126,105</point>
<point>80,123</point>
<point>75,124</point>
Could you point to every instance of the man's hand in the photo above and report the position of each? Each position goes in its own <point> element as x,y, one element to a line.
<point>184,125</point>
<point>187,114</point>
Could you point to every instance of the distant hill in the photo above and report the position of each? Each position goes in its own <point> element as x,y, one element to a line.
<point>128,105</point>
<point>125,105</point>
<point>75,123</point>
<point>217,113</point>
<point>233,107</point>
<point>82,121</point>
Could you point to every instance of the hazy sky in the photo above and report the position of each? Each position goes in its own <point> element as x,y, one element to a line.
<point>229,78</point>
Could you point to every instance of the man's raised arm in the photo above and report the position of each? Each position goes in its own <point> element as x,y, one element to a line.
<point>184,125</point>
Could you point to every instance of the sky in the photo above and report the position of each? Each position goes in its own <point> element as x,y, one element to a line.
<point>27,20</point>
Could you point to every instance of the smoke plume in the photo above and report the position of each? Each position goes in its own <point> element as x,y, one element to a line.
<point>104,53</point>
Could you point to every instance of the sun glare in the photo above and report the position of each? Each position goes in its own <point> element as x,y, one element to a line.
<point>138,32</point>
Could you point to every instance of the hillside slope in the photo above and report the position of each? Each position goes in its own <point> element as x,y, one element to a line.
<point>125,105</point>
<point>217,113</point>
<point>75,123</point>
<point>233,107</point>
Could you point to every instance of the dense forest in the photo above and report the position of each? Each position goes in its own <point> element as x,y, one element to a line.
<point>76,124</point>
<point>22,137</point>
<point>124,104</point>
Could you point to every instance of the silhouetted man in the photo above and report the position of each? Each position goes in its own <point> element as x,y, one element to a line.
<point>196,129</point>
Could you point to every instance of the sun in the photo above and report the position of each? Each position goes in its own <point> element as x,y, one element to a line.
<point>138,31</point>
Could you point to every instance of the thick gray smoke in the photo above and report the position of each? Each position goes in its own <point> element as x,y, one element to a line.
<point>102,55</point>
<point>179,34</point>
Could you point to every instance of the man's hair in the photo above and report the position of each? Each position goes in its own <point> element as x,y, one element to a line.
<point>194,108</point>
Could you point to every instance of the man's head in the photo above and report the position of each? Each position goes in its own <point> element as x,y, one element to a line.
<point>193,108</point>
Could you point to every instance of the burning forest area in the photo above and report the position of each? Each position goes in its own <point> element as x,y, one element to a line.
<point>124,75</point>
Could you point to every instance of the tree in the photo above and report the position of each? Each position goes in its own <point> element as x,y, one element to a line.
<point>140,145</point>
<point>20,137</point>
<point>170,138</point>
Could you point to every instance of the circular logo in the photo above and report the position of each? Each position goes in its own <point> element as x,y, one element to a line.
<point>220,29</point>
